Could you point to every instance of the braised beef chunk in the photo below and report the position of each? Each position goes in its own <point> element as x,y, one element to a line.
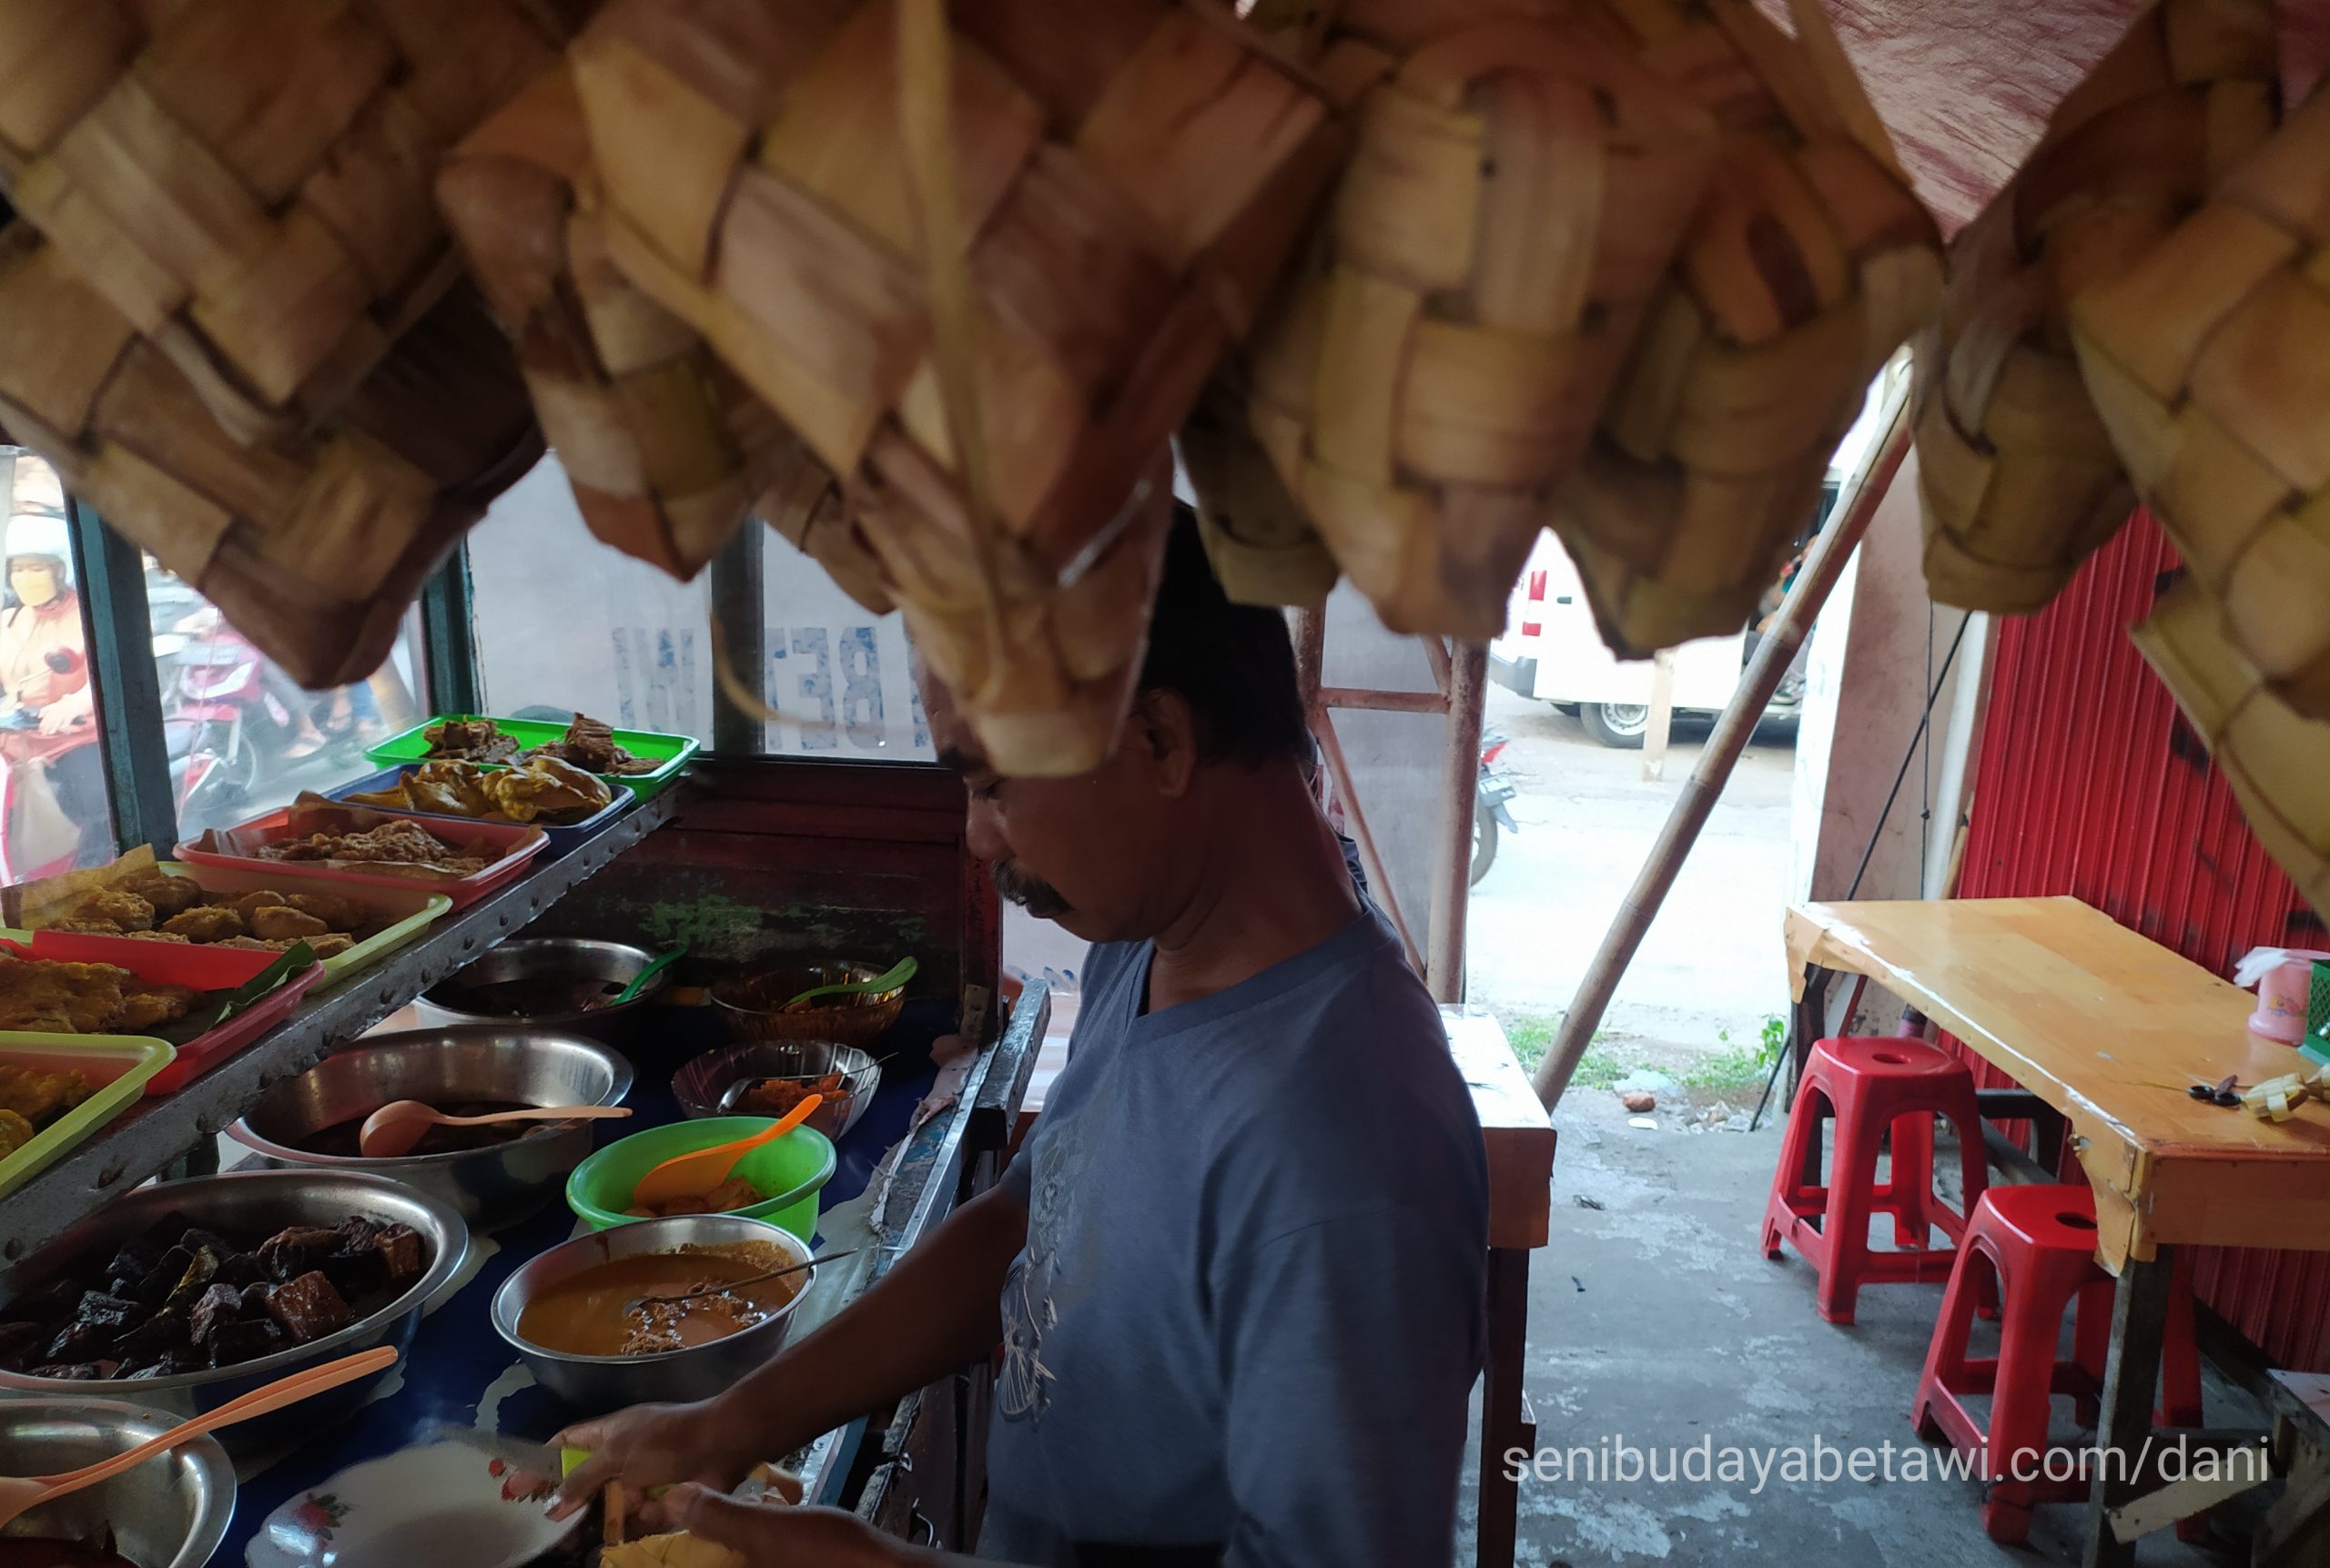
<point>134,1260</point>
<point>246,1339</point>
<point>194,1282</point>
<point>77,1371</point>
<point>406,1254</point>
<point>161,1335</point>
<point>288,1254</point>
<point>309,1307</point>
<point>183,1298</point>
<point>218,1305</point>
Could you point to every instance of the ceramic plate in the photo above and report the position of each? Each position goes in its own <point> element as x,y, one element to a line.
<point>443,1505</point>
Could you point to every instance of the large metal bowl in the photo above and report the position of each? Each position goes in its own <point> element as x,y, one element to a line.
<point>698,1084</point>
<point>168,1512</point>
<point>495,989</point>
<point>594,1383</point>
<point>751,1005</point>
<point>254,1204</point>
<point>488,1188</point>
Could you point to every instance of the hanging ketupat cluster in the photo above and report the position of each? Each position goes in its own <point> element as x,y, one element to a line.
<point>2019,476</point>
<point>273,375</point>
<point>1624,267</point>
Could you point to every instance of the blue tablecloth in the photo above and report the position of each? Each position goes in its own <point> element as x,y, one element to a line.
<point>457,1356</point>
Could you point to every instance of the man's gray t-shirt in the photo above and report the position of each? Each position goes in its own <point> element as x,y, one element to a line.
<point>1249,1315</point>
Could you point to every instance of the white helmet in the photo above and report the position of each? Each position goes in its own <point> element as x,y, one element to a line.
<point>35,533</point>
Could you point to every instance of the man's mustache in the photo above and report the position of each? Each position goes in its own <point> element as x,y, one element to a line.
<point>1033,894</point>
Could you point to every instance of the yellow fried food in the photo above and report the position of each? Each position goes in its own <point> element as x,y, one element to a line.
<point>208,923</point>
<point>338,914</point>
<point>122,911</point>
<point>156,936</point>
<point>331,945</point>
<point>37,1097</point>
<point>279,923</point>
<point>149,1006</point>
<point>65,999</point>
<point>546,786</point>
<point>243,903</point>
<point>168,894</point>
<point>679,1550</point>
<point>79,928</point>
<point>14,1133</point>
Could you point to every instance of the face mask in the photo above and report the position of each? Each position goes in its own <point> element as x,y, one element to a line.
<point>34,585</point>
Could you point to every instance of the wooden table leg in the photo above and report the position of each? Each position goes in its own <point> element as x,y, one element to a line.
<point>2130,1390</point>
<point>1504,1425</point>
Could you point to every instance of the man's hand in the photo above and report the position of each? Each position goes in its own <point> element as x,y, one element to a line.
<point>654,1445</point>
<point>773,1535</point>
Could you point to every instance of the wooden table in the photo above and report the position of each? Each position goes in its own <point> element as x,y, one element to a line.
<point>2111,1030</point>
<point>1520,1140</point>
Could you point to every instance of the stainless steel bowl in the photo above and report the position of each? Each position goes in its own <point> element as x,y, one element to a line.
<point>488,1188</point>
<point>541,980</point>
<point>594,1383</point>
<point>254,1204</point>
<point>170,1513</point>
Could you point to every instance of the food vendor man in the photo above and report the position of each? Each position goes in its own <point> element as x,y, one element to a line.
<point>1236,1272</point>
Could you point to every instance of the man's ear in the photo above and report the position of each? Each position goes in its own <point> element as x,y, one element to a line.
<point>1163,728</point>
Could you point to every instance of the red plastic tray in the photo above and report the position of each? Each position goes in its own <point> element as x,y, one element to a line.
<point>200,968</point>
<point>517,844</point>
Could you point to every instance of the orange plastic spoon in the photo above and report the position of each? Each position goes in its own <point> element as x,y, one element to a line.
<point>20,1493</point>
<point>688,1175</point>
<point>390,1131</point>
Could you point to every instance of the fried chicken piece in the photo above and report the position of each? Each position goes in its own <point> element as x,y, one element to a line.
<point>158,935</point>
<point>255,945</point>
<point>208,923</point>
<point>473,740</point>
<point>547,787</point>
<point>40,1098</point>
<point>15,1132</point>
<point>331,944</point>
<point>150,1007</point>
<point>122,911</point>
<point>338,914</point>
<point>168,894</point>
<point>65,999</point>
<point>247,904</point>
<point>80,927</point>
<point>280,922</point>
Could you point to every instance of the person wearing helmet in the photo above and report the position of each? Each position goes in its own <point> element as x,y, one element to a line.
<point>44,652</point>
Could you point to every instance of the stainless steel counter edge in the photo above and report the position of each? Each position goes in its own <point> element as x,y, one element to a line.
<point>145,1139</point>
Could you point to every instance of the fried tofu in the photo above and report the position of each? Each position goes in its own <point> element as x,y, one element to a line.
<point>278,923</point>
<point>208,923</point>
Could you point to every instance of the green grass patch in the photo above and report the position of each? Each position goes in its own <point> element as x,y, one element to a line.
<point>1531,1036</point>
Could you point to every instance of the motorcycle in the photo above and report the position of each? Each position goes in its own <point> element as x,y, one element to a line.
<point>1490,815</point>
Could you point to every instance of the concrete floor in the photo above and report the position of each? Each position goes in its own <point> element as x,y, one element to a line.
<point>1656,1319</point>
<point>1712,961</point>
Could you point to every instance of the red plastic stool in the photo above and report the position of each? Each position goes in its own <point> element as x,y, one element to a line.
<point>1874,1087</point>
<point>2036,1247</point>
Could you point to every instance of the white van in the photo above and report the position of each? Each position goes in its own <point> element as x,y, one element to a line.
<point>1552,652</point>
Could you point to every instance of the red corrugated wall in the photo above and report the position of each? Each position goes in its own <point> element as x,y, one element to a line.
<point>2091,784</point>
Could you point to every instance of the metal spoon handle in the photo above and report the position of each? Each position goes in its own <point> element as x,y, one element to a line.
<point>639,1302</point>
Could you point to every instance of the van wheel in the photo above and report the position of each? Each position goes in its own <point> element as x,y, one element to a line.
<point>1619,724</point>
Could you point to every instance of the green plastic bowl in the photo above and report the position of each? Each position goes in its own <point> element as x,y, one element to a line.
<point>791,1172</point>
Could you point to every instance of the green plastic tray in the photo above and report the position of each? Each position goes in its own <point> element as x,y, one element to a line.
<point>413,912</point>
<point>669,753</point>
<point>132,1059</point>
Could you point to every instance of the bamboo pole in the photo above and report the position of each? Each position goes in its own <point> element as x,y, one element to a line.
<point>1460,787</point>
<point>1721,755</point>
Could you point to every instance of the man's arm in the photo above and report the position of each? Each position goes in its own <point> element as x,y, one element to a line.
<point>936,1311</point>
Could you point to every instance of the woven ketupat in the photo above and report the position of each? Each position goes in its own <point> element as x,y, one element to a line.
<point>2210,361</point>
<point>1806,267</point>
<point>2274,757</point>
<point>1514,193</point>
<point>1128,180</point>
<point>1262,548</point>
<point>664,448</point>
<point>249,184</point>
<point>313,545</point>
<point>1043,671</point>
<point>2017,473</point>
